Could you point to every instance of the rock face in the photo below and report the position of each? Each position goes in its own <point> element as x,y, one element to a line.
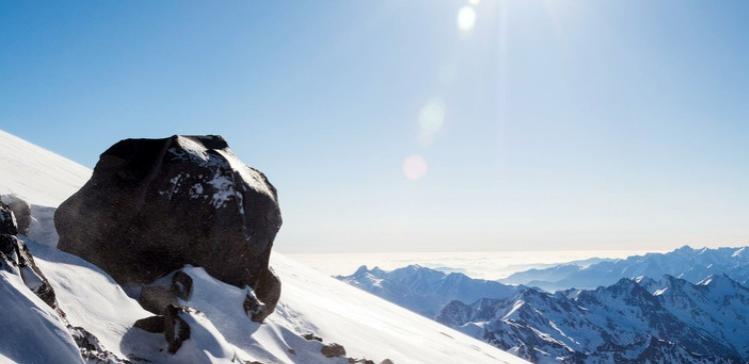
<point>333,350</point>
<point>8,224</point>
<point>21,209</point>
<point>15,257</point>
<point>155,205</point>
<point>176,330</point>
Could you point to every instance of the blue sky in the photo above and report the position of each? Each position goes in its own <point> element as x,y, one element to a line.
<point>543,124</point>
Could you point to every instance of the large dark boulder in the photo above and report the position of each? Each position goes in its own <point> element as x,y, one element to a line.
<point>154,205</point>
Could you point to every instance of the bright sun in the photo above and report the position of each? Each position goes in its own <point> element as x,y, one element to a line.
<point>466,18</point>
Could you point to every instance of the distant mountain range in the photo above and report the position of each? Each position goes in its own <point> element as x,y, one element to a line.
<point>633,321</point>
<point>425,290</point>
<point>686,263</point>
<point>685,306</point>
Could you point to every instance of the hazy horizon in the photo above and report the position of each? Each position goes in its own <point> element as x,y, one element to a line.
<point>420,126</point>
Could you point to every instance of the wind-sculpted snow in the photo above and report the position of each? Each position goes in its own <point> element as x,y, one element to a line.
<point>30,331</point>
<point>633,321</point>
<point>425,290</point>
<point>687,263</point>
<point>88,296</point>
<point>36,174</point>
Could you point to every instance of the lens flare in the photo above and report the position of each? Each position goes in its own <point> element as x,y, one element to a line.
<point>466,18</point>
<point>414,167</point>
<point>432,116</point>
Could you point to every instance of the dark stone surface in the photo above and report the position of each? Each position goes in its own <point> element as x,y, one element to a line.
<point>154,205</point>
<point>254,308</point>
<point>155,299</point>
<point>8,223</point>
<point>311,337</point>
<point>91,349</point>
<point>8,245</point>
<point>360,361</point>
<point>333,350</point>
<point>21,209</point>
<point>176,330</point>
<point>268,290</point>
<point>182,285</point>
<point>153,324</point>
<point>16,257</point>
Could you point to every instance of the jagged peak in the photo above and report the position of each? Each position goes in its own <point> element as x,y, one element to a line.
<point>684,249</point>
<point>362,270</point>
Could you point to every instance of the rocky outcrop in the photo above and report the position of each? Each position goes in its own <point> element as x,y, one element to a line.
<point>16,258</point>
<point>169,290</point>
<point>170,323</point>
<point>176,330</point>
<point>155,205</point>
<point>91,350</point>
<point>181,285</point>
<point>333,350</point>
<point>156,298</point>
<point>153,324</point>
<point>21,209</point>
<point>8,224</point>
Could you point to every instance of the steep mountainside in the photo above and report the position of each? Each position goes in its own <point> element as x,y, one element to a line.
<point>311,303</point>
<point>425,290</point>
<point>687,263</point>
<point>632,321</point>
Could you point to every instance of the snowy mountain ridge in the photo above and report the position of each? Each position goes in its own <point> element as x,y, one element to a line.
<point>311,303</point>
<point>633,321</point>
<point>687,263</point>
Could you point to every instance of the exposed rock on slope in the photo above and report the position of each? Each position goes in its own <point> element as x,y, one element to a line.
<point>155,205</point>
<point>21,209</point>
<point>16,258</point>
<point>17,264</point>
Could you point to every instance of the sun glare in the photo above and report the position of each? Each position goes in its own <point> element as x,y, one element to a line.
<point>466,18</point>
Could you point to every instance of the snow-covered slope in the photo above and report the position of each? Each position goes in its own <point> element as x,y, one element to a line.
<point>40,337</point>
<point>367,326</point>
<point>36,174</point>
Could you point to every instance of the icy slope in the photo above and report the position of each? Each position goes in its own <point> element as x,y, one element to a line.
<point>311,302</point>
<point>37,174</point>
<point>369,326</point>
<point>40,337</point>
